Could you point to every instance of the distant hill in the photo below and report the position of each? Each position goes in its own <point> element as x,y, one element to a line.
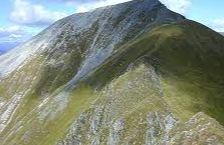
<point>6,46</point>
<point>222,33</point>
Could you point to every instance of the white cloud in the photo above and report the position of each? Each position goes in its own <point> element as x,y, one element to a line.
<point>5,31</point>
<point>13,34</point>
<point>218,25</point>
<point>179,6</point>
<point>37,15</point>
<point>11,28</point>
<point>90,5</point>
<point>32,14</point>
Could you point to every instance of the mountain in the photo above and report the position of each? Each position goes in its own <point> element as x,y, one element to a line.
<point>222,33</point>
<point>132,73</point>
<point>6,46</point>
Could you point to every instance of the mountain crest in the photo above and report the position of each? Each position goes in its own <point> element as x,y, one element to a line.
<point>132,73</point>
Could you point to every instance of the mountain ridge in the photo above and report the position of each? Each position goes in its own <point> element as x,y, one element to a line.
<point>133,73</point>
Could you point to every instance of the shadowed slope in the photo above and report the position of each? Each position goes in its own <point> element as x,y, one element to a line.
<point>129,78</point>
<point>189,58</point>
<point>170,73</point>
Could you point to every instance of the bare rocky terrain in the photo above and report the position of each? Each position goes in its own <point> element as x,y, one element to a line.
<point>132,73</point>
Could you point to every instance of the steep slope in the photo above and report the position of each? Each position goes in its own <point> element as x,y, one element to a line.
<point>71,48</point>
<point>186,72</point>
<point>134,73</point>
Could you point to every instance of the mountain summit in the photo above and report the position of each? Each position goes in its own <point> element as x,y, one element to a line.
<point>132,73</point>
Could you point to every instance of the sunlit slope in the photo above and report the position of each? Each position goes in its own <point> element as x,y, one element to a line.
<point>189,59</point>
<point>70,49</point>
<point>152,89</point>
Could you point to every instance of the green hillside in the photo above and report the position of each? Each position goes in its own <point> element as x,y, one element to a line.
<point>170,73</point>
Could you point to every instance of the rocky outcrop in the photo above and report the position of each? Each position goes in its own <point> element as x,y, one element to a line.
<point>200,129</point>
<point>132,73</point>
<point>160,129</point>
<point>109,123</point>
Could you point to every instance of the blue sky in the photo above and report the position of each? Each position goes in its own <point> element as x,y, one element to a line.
<point>22,19</point>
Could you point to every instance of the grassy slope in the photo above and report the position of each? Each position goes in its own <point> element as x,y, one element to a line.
<point>130,97</point>
<point>188,58</point>
<point>35,131</point>
<point>192,69</point>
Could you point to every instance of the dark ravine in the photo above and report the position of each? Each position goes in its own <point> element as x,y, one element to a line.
<point>132,73</point>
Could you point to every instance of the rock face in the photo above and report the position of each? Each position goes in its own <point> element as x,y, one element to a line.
<point>133,73</point>
<point>84,32</point>
<point>200,129</point>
